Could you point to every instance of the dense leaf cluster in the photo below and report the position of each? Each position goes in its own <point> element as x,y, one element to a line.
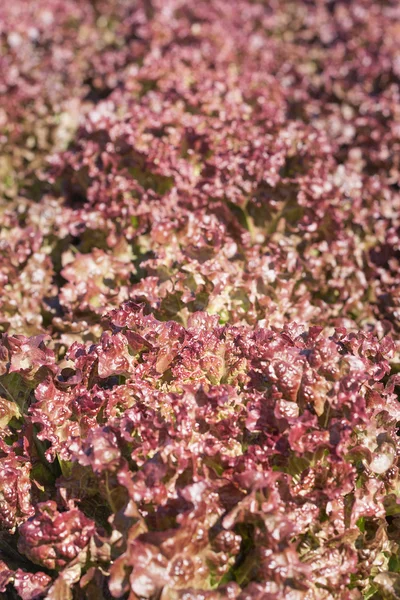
<point>199,299</point>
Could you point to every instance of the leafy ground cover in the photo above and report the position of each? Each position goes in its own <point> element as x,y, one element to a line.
<point>200,299</point>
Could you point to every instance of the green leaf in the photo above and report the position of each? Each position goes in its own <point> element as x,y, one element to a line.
<point>394,563</point>
<point>361,524</point>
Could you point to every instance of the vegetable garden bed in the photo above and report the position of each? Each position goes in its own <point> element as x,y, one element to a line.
<point>199,299</point>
